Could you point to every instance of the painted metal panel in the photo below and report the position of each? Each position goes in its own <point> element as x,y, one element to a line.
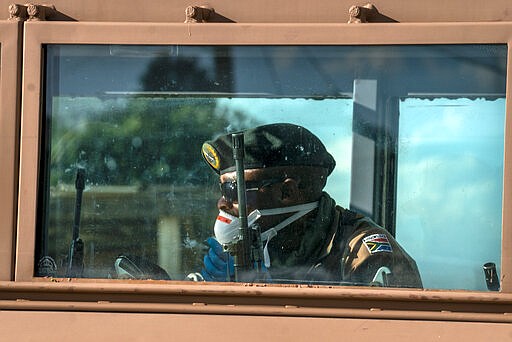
<point>87,326</point>
<point>267,11</point>
<point>10,41</point>
<point>399,303</point>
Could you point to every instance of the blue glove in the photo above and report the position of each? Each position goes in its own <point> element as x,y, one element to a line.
<point>216,263</point>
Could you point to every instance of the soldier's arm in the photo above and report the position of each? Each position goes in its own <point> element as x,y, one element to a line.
<point>375,258</point>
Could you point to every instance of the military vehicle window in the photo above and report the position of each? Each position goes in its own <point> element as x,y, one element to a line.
<point>141,174</point>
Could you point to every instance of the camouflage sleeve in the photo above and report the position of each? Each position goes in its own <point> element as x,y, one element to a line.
<point>373,257</point>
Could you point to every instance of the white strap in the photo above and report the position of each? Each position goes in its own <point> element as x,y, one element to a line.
<point>304,209</point>
<point>272,232</point>
<point>284,210</point>
<point>266,256</point>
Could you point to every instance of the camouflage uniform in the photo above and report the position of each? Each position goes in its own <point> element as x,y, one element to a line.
<point>346,248</point>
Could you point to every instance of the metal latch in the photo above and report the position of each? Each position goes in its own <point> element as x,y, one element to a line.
<point>367,13</point>
<point>30,12</point>
<point>198,14</point>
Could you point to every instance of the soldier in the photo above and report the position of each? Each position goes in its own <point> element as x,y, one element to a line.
<point>306,236</point>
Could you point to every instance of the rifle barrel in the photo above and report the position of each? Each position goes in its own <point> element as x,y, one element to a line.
<point>243,257</point>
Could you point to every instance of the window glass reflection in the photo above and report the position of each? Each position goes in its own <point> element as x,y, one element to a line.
<point>148,193</point>
<point>450,171</point>
<point>134,120</point>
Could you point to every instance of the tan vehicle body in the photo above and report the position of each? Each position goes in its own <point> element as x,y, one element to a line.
<point>113,310</point>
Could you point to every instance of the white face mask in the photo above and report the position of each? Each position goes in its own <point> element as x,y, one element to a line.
<point>227,226</point>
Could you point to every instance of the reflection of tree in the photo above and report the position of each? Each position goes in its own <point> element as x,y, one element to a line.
<point>144,140</point>
<point>149,141</point>
<point>167,74</point>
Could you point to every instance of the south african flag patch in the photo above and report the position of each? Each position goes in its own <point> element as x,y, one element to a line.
<point>377,243</point>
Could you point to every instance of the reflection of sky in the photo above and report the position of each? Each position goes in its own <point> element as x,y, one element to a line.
<point>330,120</point>
<point>450,171</point>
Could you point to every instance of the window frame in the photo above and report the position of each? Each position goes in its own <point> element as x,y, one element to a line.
<point>10,85</point>
<point>315,300</point>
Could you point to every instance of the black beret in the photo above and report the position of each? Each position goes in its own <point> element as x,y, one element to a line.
<point>271,145</point>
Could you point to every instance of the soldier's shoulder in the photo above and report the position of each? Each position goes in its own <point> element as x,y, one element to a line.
<point>364,233</point>
<point>360,223</point>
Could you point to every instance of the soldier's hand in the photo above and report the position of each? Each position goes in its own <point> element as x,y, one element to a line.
<point>217,262</point>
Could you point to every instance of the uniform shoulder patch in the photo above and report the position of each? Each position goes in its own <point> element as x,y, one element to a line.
<point>377,243</point>
<point>210,155</point>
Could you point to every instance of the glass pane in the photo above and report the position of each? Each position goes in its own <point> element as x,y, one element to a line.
<point>129,122</point>
<point>450,171</point>
<point>145,181</point>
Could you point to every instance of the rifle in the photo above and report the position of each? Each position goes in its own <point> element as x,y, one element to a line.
<point>247,250</point>
<point>76,249</point>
